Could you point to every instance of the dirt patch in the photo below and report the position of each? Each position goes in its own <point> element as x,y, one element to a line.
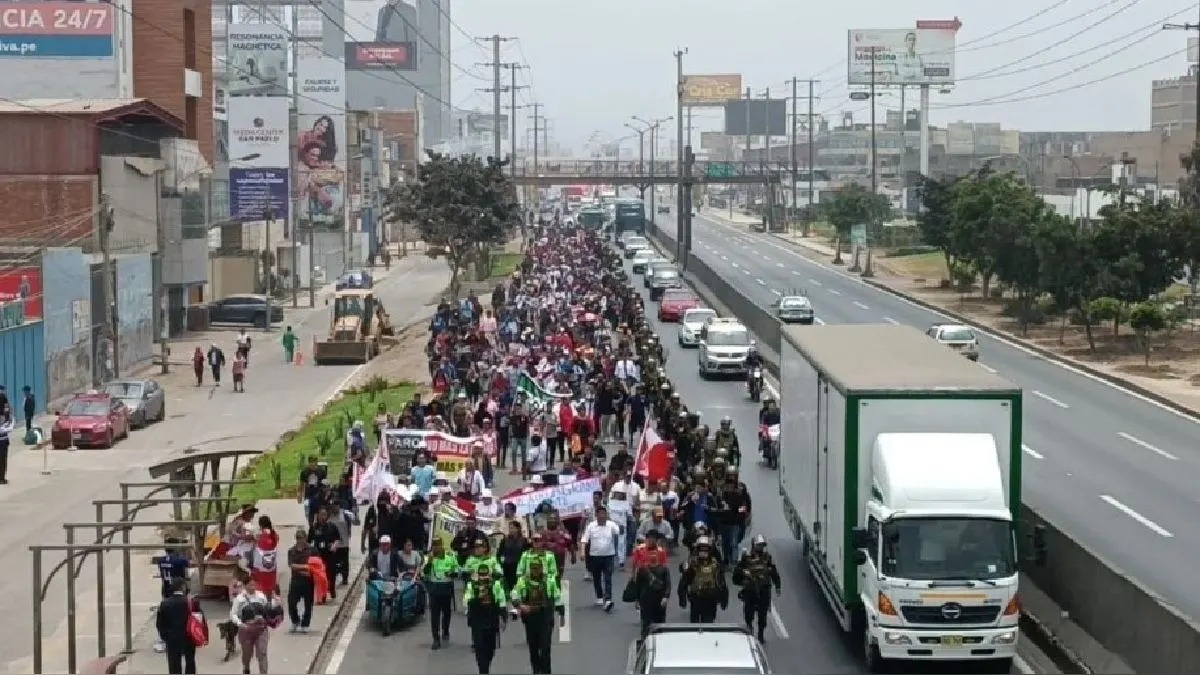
<point>405,360</point>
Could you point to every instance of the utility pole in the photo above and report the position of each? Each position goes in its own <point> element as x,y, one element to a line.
<point>512,90</point>
<point>795,168</point>
<point>811,153</point>
<point>294,212</point>
<point>795,151</point>
<point>746,155</point>
<point>106,268</point>
<point>683,220</point>
<point>1192,27</point>
<point>534,118</point>
<point>868,272</point>
<point>160,292</point>
<point>496,89</point>
<point>268,265</point>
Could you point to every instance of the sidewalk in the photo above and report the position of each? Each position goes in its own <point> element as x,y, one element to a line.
<point>278,397</point>
<point>289,652</point>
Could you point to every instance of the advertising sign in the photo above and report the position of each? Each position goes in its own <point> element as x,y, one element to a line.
<point>756,117</point>
<point>715,141</point>
<point>710,90</point>
<point>256,60</point>
<point>258,127</point>
<point>56,30</point>
<point>22,286</point>
<point>380,56</point>
<point>253,191</point>
<point>482,123</point>
<point>908,56</point>
<point>321,140</point>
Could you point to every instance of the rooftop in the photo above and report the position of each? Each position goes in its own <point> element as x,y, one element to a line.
<point>864,358</point>
<point>99,107</point>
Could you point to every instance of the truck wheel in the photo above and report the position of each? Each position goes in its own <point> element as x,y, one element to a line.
<point>871,656</point>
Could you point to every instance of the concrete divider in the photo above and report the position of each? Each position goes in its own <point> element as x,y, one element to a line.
<point>1125,617</point>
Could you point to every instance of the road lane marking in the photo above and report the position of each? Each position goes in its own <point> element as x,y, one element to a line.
<point>761,282</point>
<point>1022,665</point>
<point>564,631</point>
<point>735,265</point>
<point>814,282</point>
<point>754,251</point>
<point>1149,524</point>
<point>1051,399</point>
<point>860,305</point>
<point>1137,441</point>
<point>779,264</point>
<point>988,368</point>
<point>817,320</point>
<point>796,272</point>
<point>725,258</point>
<point>891,321</point>
<point>347,636</point>
<point>777,292</point>
<point>835,291</point>
<point>767,258</point>
<point>1031,452</point>
<point>777,623</point>
<point>746,272</point>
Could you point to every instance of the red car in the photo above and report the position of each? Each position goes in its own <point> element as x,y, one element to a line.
<point>90,421</point>
<point>674,302</point>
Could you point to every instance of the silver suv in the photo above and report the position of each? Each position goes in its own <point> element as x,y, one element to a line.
<point>695,649</point>
<point>724,345</point>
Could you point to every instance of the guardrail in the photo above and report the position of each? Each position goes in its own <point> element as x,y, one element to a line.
<point>1113,608</point>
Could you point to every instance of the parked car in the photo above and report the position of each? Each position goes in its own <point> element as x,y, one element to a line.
<point>354,279</point>
<point>715,649</point>
<point>676,301</point>
<point>91,420</point>
<point>145,399</point>
<point>246,308</point>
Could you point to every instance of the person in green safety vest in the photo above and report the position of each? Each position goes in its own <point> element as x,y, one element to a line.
<point>289,341</point>
<point>482,555</point>
<point>536,599</point>
<point>441,569</point>
<point>485,601</point>
<point>538,552</point>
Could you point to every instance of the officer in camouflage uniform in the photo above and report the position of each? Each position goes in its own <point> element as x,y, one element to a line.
<point>702,584</point>
<point>756,574</point>
<point>727,439</point>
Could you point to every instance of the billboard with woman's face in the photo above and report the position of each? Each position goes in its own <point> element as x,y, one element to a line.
<point>321,141</point>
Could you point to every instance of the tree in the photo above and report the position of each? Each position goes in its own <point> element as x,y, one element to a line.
<point>992,216</point>
<point>1070,271</point>
<point>460,205</point>
<point>1136,238</point>
<point>936,219</point>
<point>1147,318</point>
<point>855,205</point>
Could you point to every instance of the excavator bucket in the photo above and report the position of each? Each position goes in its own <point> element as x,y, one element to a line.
<point>353,329</point>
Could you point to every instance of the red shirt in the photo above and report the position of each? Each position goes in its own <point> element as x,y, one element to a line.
<point>642,556</point>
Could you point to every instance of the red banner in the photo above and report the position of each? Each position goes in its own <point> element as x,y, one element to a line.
<point>655,457</point>
<point>23,284</point>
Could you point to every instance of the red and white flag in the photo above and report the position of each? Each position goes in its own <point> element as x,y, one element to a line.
<point>655,456</point>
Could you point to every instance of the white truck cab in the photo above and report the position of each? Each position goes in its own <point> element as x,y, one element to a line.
<point>937,560</point>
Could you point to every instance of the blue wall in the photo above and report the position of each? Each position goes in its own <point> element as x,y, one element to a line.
<point>68,321</point>
<point>22,363</point>
<point>135,311</point>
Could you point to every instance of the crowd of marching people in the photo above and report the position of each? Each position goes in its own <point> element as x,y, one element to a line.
<point>555,378</point>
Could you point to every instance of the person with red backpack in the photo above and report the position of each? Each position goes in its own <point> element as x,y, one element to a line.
<point>181,627</point>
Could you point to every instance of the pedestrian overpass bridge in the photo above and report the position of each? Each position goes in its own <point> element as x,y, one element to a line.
<point>644,174</point>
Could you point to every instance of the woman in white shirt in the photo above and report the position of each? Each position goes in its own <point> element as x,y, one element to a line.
<point>252,612</point>
<point>538,456</point>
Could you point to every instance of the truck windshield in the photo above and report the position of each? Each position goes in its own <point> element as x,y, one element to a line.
<point>729,338</point>
<point>945,549</point>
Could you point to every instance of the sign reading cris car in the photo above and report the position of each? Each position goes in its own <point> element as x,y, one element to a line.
<point>56,29</point>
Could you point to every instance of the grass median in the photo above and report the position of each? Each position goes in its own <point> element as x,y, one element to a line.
<point>276,474</point>
<point>503,264</point>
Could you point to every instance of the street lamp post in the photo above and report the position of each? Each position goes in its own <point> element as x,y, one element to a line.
<point>652,127</point>
<point>1075,191</point>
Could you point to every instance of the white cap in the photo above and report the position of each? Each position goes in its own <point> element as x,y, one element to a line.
<point>385,539</point>
<point>536,480</point>
<point>486,494</point>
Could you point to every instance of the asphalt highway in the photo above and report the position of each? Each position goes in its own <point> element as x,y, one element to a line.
<point>802,637</point>
<point>1113,469</point>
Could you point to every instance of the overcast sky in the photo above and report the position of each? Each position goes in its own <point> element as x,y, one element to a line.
<point>595,64</point>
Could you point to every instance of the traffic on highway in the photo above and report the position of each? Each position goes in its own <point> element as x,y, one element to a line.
<point>1108,466</point>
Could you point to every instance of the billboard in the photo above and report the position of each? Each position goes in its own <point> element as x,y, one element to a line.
<point>907,56</point>
<point>256,60</point>
<point>381,56</point>
<point>715,141</point>
<point>56,30</point>
<point>258,127</point>
<point>756,117</point>
<point>710,90</point>
<point>321,140</point>
<point>253,191</point>
<point>483,123</point>
<point>22,285</point>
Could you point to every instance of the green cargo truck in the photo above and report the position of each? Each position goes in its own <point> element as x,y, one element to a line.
<point>900,471</point>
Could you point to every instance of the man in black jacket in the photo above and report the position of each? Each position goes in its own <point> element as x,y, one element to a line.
<point>651,589</point>
<point>171,621</point>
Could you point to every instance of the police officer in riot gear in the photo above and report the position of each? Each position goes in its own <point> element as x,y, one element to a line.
<point>727,439</point>
<point>756,574</point>
<point>702,583</point>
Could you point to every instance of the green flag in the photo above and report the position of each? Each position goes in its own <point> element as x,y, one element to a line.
<point>538,397</point>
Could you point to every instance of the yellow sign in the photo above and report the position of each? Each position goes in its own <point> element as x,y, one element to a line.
<point>710,90</point>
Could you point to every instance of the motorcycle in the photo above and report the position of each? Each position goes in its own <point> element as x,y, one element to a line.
<point>754,384</point>
<point>395,603</point>
<point>769,440</point>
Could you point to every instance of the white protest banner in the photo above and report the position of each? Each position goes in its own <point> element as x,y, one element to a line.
<point>570,500</point>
